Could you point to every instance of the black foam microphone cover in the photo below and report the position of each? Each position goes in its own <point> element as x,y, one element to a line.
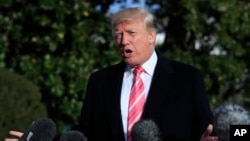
<point>73,135</point>
<point>43,129</point>
<point>145,130</point>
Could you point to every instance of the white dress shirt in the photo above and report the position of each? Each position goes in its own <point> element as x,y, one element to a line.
<point>149,67</point>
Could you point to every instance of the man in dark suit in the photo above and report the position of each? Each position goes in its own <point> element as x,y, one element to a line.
<point>175,93</point>
<point>175,97</point>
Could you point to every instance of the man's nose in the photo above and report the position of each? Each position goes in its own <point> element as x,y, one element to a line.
<point>124,40</point>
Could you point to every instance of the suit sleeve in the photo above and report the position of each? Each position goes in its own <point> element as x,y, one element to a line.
<point>202,112</point>
<point>85,120</point>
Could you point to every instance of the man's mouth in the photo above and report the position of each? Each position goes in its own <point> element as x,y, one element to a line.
<point>126,52</point>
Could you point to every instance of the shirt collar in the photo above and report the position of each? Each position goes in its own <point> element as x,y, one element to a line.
<point>149,65</point>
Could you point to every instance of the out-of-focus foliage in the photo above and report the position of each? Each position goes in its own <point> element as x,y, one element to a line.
<point>56,44</point>
<point>20,103</point>
<point>213,36</point>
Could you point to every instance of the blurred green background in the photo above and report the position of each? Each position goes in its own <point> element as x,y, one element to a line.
<point>49,48</point>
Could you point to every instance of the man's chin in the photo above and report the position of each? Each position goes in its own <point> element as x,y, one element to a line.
<point>130,62</point>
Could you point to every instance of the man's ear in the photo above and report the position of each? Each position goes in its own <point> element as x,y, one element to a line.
<point>152,36</point>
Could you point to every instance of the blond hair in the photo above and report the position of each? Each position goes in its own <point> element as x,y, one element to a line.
<point>129,14</point>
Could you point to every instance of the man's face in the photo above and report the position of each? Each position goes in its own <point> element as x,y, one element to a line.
<point>135,44</point>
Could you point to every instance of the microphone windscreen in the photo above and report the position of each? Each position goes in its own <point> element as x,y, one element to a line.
<point>228,114</point>
<point>73,135</point>
<point>145,130</point>
<point>26,134</point>
<point>43,129</point>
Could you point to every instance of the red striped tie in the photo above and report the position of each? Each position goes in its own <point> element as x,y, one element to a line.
<point>136,100</point>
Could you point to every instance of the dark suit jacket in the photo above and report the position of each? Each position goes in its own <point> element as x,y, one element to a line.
<point>177,102</point>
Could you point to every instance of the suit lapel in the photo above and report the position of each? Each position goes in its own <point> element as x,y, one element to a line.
<point>162,82</point>
<point>112,100</point>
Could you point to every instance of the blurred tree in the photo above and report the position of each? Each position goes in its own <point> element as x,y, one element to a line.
<point>213,36</point>
<point>56,44</point>
<point>20,103</point>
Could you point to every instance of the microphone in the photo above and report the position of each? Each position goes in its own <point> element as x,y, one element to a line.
<point>145,130</point>
<point>73,135</point>
<point>229,114</point>
<point>43,129</point>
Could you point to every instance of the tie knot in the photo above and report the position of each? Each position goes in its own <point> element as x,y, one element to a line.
<point>138,70</point>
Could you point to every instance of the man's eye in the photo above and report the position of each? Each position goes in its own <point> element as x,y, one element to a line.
<point>118,36</point>
<point>132,33</point>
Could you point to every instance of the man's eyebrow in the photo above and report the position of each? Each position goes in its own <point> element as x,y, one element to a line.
<point>131,29</point>
<point>118,32</point>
